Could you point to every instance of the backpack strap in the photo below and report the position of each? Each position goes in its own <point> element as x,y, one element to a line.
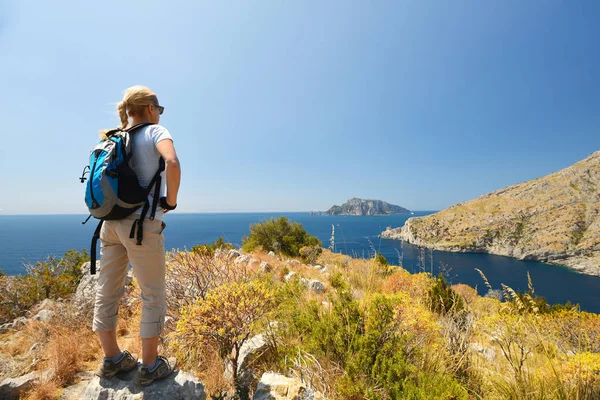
<point>157,184</point>
<point>138,126</point>
<point>93,249</point>
<point>139,223</point>
<point>131,131</point>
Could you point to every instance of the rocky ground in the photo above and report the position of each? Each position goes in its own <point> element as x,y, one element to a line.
<point>25,373</point>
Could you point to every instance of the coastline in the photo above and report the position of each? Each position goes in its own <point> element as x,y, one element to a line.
<point>574,263</point>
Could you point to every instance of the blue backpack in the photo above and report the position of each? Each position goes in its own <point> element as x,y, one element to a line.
<point>113,190</point>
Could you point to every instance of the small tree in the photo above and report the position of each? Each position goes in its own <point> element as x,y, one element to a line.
<point>310,253</point>
<point>279,235</point>
<point>209,249</point>
<point>225,320</point>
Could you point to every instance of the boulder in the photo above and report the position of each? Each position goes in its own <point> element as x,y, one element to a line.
<point>85,294</point>
<point>47,304</point>
<point>251,349</point>
<point>265,267</point>
<point>44,316</point>
<point>234,253</point>
<point>179,386</point>
<point>321,268</point>
<point>488,354</point>
<point>289,276</point>
<point>274,386</point>
<point>6,327</point>
<point>77,390</point>
<point>11,388</point>
<point>86,290</point>
<point>241,260</point>
<point>271,254</point>
<point>315,285</point>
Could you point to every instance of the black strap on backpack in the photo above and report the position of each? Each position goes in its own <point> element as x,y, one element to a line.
<point>139,223</point>
<point>156,181</point>
<point>93,249</point>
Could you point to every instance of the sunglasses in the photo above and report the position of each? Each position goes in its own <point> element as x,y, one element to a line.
<point>161,109</point>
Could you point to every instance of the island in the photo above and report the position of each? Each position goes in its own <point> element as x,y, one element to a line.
<point>356,206</point>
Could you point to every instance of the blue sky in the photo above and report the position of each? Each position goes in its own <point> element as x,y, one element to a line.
<point>292,106</point>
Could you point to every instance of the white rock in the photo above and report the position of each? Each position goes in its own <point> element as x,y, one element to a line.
<point>179,386</point>
<point>489,354</point>
<point>316,286</point>
<point>6,327</point>
<point>274,386</point>
<point>241,260</point>
<point>271,254</point>
<point>85,294</point>
<point>11,388</point>
<point>47,304</point>
<point>265,267</point>
<point>44,316</point>
<point>289,276</point>
<point>234,253</point>
<point>252,347</point>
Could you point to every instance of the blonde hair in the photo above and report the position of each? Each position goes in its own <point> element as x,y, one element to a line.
<point>134,100</point>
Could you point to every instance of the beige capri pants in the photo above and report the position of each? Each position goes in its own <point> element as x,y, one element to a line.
<point>148,263</point>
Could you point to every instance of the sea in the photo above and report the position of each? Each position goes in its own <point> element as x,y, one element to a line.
<point>32,238</point>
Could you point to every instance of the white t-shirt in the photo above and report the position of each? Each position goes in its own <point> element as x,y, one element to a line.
<point>145,160</point>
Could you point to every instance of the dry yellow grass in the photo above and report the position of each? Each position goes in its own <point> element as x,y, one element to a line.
<point>46,390</point>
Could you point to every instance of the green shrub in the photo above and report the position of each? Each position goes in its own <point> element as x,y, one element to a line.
<point>279,235</point>
<point>443,298</point>
<point>223,321</point>
<point>51,279</point>
<point>364,341</point>
<point>209,249</point>
<point>381,260</point>
<point>310,253</point>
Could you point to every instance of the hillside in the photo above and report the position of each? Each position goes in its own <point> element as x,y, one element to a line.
<point>341,329</point>
<point>552,219</point>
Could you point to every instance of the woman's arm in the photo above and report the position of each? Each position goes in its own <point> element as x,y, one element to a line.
<point>173,170</point>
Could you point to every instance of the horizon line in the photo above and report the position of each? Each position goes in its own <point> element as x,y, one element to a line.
<point>217,212</point>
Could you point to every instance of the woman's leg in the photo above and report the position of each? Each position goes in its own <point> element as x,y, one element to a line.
<point>110,288</point>
<point>149,267</point>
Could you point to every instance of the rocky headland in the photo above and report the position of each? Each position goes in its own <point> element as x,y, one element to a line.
<point>553,219</point>
<point>356,206</point>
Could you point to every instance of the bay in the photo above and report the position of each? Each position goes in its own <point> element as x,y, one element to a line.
<point>31,238</point>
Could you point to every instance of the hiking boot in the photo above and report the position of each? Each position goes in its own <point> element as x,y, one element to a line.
<point>165,367</point>
<point>109,368</point>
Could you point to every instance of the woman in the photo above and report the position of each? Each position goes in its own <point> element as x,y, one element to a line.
<point>148,259</point>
